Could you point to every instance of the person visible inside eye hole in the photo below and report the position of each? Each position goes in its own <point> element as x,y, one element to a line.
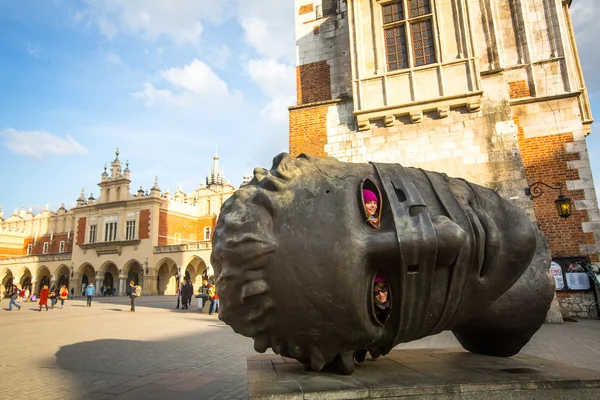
<point>371,205</point>
<point>381,298</point>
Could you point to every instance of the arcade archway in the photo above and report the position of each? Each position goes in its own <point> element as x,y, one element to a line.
<point>87,274</point>
<point>196,271</point>
<point>166,282</point>
<point>134,272</point>
<point>110,278</point>
<point>25,279</point>
<point>43,278</point>
<point>62,277</point>
<point>6,278</point>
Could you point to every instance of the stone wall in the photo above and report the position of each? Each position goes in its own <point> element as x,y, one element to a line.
<point>575,304</point>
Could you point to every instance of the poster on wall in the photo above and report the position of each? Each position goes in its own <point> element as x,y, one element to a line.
<point>556,272</point>
<point>569,274</point>
<point>577,278</point>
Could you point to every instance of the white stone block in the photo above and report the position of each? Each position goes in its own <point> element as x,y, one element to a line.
<point>578,164</point>
<point>468,160</point>
<point>411,150</point>
<point>468,134</point>
<point>431,156</point>
<point>445,154</point>
<point>467,143</point>
<point>473,150</point>
<point>585,173</point>
<point>586,204</point>
<point>504,127</point>
<point>590,194</point>
<point>459,126</point>
<point>580,184</point>
<point>448,145</point>
<point>590,226</point>
<point>575,147</point>
<point>482,158</point>
<point>458,153</point>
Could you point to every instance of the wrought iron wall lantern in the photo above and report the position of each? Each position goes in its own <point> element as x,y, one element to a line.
<point>563,203</point>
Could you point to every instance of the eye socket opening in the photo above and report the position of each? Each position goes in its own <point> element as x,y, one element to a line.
<point>380,298</point>
<point>371,203</point>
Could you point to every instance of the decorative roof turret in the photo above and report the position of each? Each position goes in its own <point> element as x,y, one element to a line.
<point>126,172</point>
<point>155,190</point>
<point>115,167</point>
<point>104,174</point>
<point>215,179</point>
<point>91,199</point>
<point>81,200</point>
<point>1,213</point>
<point>140,192</point>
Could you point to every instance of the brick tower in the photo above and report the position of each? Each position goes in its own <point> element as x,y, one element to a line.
<point>488,90</point>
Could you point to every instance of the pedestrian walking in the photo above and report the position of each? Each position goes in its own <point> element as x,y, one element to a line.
<point>134,291</point>
<point>72,293</point>
<point>90,292</point>
<point>63,294</point>
<point>214,299</point>
<point>13,298</point>
<point>52,296</point>
<point>179,294</point>
<point>44,297</point>
<point>190,294</point>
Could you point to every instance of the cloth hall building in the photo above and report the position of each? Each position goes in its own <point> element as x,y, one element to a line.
<point>152,237</point>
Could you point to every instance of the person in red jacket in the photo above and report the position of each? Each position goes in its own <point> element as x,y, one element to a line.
<point>44,297</point>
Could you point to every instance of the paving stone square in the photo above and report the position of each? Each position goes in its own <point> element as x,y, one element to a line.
<point>107,352</point>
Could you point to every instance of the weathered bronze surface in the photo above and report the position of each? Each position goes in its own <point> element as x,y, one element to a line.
<point>295,262</point>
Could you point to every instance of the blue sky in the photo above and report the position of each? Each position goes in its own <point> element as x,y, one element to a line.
<point>80,78</point>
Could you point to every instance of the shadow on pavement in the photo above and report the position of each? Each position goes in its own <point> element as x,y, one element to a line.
<point>194,366</point>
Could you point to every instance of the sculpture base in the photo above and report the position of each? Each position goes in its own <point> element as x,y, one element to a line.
<point>440,374</point>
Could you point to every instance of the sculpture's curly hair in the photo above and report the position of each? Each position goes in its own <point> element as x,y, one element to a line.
<point>244,248</point>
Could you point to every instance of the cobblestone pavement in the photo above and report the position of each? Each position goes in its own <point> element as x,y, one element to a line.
<point>106,352</point>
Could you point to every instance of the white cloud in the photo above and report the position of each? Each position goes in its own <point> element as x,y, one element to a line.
<point>584,14</point>
<point>277,81</point>
<point>181,20</point>
<point>33,50</point>
<point>111,56</point>
<point>194,82</point>
<point>219,56</point>
<point>269,28</point>
<point>36,144</point>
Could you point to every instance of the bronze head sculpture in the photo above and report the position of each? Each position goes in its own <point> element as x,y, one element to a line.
<point>296,262</point>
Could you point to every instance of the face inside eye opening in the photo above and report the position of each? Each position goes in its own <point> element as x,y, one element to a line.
<point>371,203</point>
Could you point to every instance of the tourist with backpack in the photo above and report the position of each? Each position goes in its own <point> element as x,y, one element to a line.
<point>135,291</point>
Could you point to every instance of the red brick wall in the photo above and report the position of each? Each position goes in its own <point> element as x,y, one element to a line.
<point>144,230</point>
<point>305,9</point>
<point>190,229</point>
<point>81,230</point>
<point>313,83</point>
<point>545,160</point>
<point>308,131</point>
<point>519,89</point>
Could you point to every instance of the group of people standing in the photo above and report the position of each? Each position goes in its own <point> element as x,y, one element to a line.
<point>45,294</point>
<point>206,292</point>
